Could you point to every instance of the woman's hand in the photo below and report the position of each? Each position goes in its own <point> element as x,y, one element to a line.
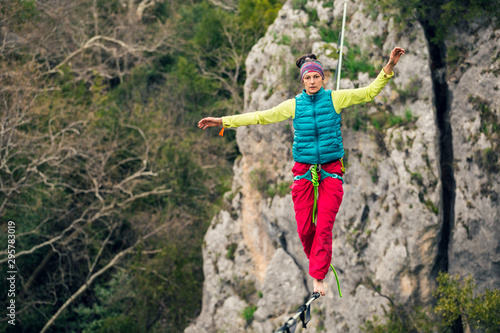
<point>209,122</point>
<point>393,59</point>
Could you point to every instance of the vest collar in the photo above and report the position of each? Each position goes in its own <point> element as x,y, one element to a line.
<point>314,97</point>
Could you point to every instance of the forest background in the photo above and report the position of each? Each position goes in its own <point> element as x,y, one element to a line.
<point>108,180</point>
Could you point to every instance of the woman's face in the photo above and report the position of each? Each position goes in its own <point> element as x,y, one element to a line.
<point>312,82</point>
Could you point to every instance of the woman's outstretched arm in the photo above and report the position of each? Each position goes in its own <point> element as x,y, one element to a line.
<point>393,59</point>
<point>209,122</point>
<point>279,113</point>
<point>344,98</point>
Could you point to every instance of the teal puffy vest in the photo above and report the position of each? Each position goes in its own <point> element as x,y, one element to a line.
<point>317,137</point>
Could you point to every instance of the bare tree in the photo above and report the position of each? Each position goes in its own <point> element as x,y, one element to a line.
<point>230,5</point>
<point>79,185</point>
<point>91,278</point>
<point>229,66</point>
<point>97,175</point>
<point>92,38</point>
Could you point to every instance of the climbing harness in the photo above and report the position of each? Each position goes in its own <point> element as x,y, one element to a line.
<point>312,176</point>
<point>304,314</point>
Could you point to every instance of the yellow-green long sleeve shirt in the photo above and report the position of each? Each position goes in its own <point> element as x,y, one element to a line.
<point>341,99</point>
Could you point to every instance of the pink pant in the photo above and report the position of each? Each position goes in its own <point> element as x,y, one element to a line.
<point>317,239</point>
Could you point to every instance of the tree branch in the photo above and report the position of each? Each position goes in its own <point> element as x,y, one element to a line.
<point>89,281</point>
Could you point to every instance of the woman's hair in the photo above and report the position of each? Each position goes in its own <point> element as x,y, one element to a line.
<point>305,58</point>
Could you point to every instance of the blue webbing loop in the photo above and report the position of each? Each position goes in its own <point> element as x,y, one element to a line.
<point>324,174</point>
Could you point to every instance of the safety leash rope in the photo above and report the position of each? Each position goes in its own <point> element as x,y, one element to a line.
<point>337,279</point>
<point>315,182</point>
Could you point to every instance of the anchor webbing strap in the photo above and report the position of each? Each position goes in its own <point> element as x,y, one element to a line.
<point>304,313</point>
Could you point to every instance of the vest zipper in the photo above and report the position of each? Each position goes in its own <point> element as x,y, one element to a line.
<point>316,129</point>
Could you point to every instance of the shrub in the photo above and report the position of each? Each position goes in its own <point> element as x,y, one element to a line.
<point>455,303</point>
<point>487,160</point>
<point>231,248</point>
<point>456,299</point>
<point>299,4</point>
<point>410,91</point>
<point>258,180</point>
<point>356,62</point>
<point>248,312</point>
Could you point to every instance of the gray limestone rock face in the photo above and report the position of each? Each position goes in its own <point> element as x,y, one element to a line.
<point>283,281</point>
<point>386,234</point>
<point>475,113</point>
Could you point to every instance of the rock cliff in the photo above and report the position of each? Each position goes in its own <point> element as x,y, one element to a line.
<point>398,224</point>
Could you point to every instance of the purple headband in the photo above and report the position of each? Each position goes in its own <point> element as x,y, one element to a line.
<point>311,66</point>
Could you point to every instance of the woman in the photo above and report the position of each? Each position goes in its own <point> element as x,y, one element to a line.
<point>317,151</point>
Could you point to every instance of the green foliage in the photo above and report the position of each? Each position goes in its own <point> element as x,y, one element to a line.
<point>454,56</point>
<point>378,41</point>
<point>149,113</point>
<point>454,300</point>
<point>440,15</point>
<point>248,312</point>
<point>328,4</point>
<point>118,324</point>
<point>135,297</point>
<point>357,62</point>
<point>258,180</point>
<point>22,11</point>
<point>374,173</point>
<point>417,177</point>
<point>398,320</point>
<point>284,188</point>
<point>409,115</point>
<point>430,205</point>
<point>136,88</point>
<point>285,40</point>
<point>256,15</point>
<point>410,91</point>
<point>290,79</point>
<point>488,160</point>
<point>299,4</point>
<point>231,248</point>
<point>356,118</point>
<point>245,289</point>
<point>383,120</point>
<point>100,316</point>
<point>313,15</point>
<point>281,189</point>
<point>330,33</point>
<point>489,119</point>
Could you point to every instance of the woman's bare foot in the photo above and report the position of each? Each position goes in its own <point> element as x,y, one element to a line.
<point>319,287</point>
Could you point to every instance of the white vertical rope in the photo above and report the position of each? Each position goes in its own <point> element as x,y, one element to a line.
<point>339,66</point>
